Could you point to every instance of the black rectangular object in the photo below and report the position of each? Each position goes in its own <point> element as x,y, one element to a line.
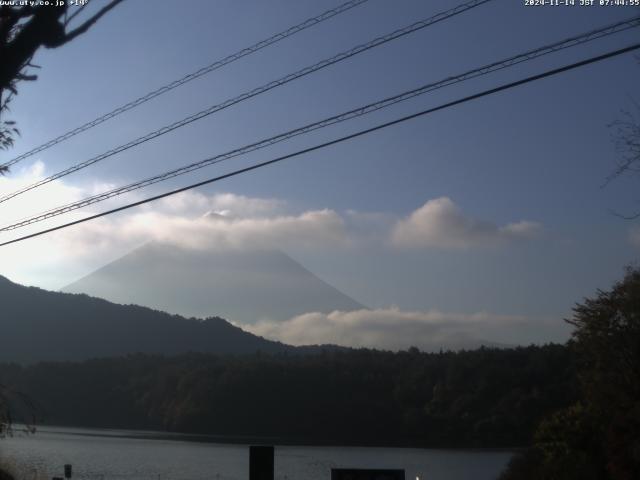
<point>261,462</point>
<point>366,474</point>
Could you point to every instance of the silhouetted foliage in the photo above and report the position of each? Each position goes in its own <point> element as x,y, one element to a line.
<point>15,407</point>
<point>486,397</point>
<point>599,436</point>
<point>5,475</point>
<point>23,30</point>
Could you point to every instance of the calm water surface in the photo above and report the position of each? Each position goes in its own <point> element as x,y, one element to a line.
<point>128,455</point>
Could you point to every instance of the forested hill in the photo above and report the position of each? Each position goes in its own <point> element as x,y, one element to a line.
<point>38,325</point>
<point>481,398</point>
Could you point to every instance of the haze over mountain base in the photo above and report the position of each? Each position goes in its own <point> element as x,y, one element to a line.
<point>242,285</point>
<point>266,292</point>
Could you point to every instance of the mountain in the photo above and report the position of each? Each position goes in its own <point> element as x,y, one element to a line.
<point>243,286</point>
<point>37,325</point>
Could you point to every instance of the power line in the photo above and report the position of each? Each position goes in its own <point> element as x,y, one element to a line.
<point>310,22</point>
<point>372,107</point>
<point>360,133</point>
<point>257,91</point>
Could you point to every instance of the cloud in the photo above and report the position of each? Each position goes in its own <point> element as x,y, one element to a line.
<point>222,221</point>
<point>395,329</point>
<point>439,223</point>
<point>190,219</point>
<point>36,200</point>
<point>318,228</point>
<point>43,260</point>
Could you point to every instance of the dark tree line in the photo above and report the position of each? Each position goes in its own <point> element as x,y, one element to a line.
<point>486,397</point>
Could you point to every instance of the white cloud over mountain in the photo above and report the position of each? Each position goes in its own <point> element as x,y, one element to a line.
<point>224,220</point>
<point>316,228</point>
<point>394,329</point>
<point>224,204</point>
<point>440,223</point>
<point>189,219</point>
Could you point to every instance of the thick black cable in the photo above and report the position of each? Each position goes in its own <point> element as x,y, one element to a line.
<point>354,113</point>
<point>376,42</point>
<point>191,76</point>
<point>469,98</point>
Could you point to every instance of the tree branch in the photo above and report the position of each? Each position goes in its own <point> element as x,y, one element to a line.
<point>74,14</point>
<point>88,23</point>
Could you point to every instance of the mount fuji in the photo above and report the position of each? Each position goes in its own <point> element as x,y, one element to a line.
<point>244,286</point>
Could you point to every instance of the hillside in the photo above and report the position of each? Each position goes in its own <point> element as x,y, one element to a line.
<point>39,325</point>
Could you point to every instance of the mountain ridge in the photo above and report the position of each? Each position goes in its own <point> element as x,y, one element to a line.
<point>40,325</point>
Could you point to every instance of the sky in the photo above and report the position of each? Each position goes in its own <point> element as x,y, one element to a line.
<point>491,214</point>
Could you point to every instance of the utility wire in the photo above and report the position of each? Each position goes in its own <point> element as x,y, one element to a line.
<point>257,91</point>
<point>372,107</point>
<point>360,133</point>
<point>310,22</point>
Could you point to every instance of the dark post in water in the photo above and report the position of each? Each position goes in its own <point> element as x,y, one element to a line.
<point>261,462</point>
<point>366,474</point>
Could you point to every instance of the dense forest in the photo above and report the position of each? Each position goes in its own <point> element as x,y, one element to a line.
<point>486,397</point>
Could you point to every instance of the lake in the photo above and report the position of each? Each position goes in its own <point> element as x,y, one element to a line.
<point>133,455</point>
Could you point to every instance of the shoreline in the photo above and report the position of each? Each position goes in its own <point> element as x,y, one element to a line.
<point>236,440</point>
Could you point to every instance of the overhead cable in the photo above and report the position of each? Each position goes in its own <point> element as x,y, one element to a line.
<point>360,133</point>
<point>354,113</point>
<point>252,93</point>
<point>310,22</point>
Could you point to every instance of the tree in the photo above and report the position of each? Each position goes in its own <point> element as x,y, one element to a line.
<point>607,342</point>
<point>598,437</point>
<point>23,30</point>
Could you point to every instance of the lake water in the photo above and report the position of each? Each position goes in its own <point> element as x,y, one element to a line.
<point>129,455</point>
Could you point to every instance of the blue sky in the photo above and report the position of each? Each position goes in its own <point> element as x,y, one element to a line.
<point>538,153</point>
